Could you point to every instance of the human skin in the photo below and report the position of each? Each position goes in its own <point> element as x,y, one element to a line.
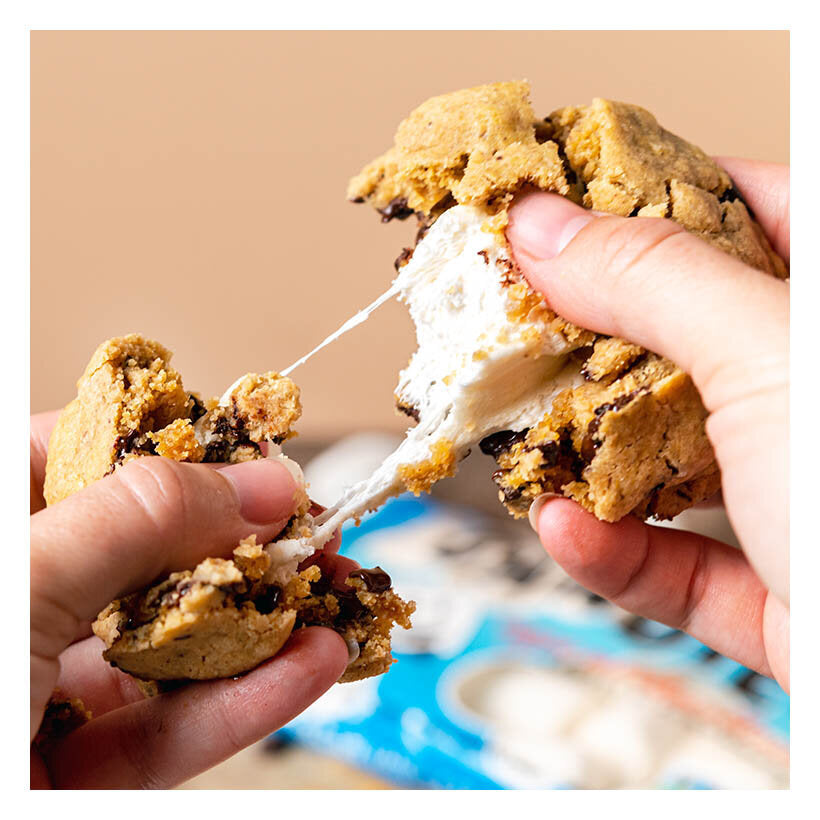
<point>152,517</point>
<point>727,325</point>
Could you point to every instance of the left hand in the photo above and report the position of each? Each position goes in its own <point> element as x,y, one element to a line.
<point>147,519</point>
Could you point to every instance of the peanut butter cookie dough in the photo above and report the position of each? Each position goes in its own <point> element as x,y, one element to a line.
<point>628,436</point>
<point>224,617</point>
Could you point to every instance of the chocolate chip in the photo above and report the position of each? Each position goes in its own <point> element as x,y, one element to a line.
<point>375,580</point>
<point>221,426</point>
<point>408,410</point>
<point>498,443</point>
<point>198,409</point>
<point>217,451</point>
<point>350,607</point>
<point>549,451</point>
<point>591,443</point>
<point>395,209</point>
<point>267,601</point>
<point>123,444</point>
<point>321,586</point>
<point>732,194</point>
<point>403,258</point>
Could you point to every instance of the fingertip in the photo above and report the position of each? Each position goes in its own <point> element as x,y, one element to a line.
<point>265,488</point>
<point>541,225</point>
<point>558,522</point>
<point>325,650</point>
<point>582,544</point>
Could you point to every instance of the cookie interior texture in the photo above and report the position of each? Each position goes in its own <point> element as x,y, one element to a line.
<point>131,402</point>
<point>630,436</point>
<point>225,616</point>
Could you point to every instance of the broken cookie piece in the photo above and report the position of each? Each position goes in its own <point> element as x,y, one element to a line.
<point>225,616</point>
<point>562,410</point>
<point>131,403</point>
<point>62,716</point>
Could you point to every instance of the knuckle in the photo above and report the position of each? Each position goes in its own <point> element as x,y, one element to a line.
<point>137,748</point>
<point>158,487</point>
<point>695,589</point>
<point>635,244</point>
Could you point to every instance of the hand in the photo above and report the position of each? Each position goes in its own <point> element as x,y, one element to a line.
<point>727,325</point>
<point>150,518</point>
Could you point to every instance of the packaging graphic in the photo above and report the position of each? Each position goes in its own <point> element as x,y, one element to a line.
<point>515,677</point>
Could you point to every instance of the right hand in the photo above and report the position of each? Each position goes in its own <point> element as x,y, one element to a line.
<point>727,325</point>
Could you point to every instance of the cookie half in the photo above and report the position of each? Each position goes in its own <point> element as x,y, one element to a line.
<point>564,410</point>
<point>224,617</point>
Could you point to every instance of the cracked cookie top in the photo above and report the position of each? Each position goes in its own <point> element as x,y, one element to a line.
<point>481,146</point>
<point>476,146</point>
<point>131,403</point>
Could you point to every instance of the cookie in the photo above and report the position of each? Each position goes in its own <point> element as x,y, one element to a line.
<point>224,617</point>
<point>131,402</point>
<point>620,429</point>
<point>62,716</point>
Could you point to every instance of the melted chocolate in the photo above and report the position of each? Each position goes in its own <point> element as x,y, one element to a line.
<point>375,579</point>
<point>498,443</point>
<point>403,258</point>
<point>408,410</point>
<point>591,443</point>
<point>267,601</point>
<point>395,209</point>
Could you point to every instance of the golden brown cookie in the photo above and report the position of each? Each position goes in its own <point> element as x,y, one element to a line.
<point>630,437</point>
<point>131,402</point>
<point>225,616</point>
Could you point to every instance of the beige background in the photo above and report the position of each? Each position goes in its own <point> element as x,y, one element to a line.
<point>191,185</point>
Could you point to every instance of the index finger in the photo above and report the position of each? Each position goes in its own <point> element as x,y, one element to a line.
<point>765,188</point>
<point>40,427</point>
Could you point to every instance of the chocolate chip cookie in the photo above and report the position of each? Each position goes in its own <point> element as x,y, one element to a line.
<point>629,435</point>
<point>224,617</point>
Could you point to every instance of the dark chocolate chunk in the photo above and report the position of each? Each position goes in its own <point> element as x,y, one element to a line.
<point>267,601</point>
<point>591,443</point>
<point>403,258</point>
<point>375,580</point>
<point>732,194</point>
<point>395,209</point>
<point>673,469</point>
<point>217,451</point>
<point>123,444</point>
<point>198,409</point>
<point>408,410</point>
<point>350,607</point>
<point>498,443</point>
<point>321,586</point>
<point>550,451</point>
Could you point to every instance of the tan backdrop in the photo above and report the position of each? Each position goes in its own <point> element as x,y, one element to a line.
<point>191,185</point>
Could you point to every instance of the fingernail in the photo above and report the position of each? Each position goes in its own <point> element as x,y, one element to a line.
<point>266,489</point>
<point>352,650</point>
<point>542,225</point>
<point>538,505</point>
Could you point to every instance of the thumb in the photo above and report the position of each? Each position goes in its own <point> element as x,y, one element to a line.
<point>651,282</point>
<point>725,324</point>
<point>149,518</point>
